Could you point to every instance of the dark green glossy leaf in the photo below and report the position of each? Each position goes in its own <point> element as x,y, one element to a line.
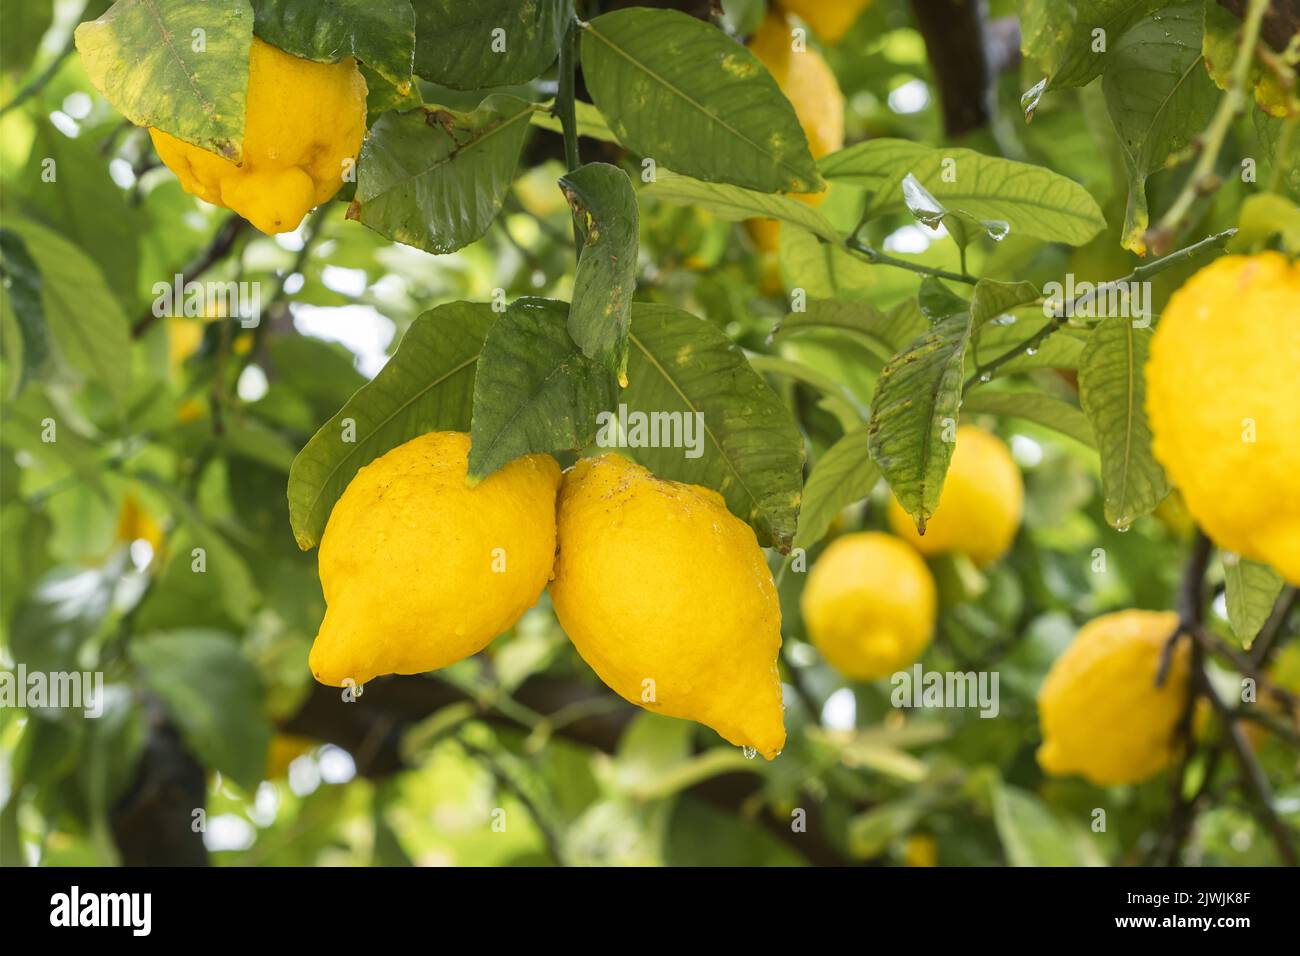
<point>428,385</point>
<point>683,93</point>
<point>436,178</point>
<point>475,45</point>
<point>379,33</point>
<point>534,390</point>
<point>22,297</point>
<point>751,452</point>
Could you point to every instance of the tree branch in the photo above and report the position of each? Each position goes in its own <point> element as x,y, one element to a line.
<point>217,249</point>
<point>966,53</point>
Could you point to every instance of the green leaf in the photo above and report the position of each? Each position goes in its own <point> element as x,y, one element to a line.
<point>589,122</point>
<point>85,206</point>
<point>735,203</point>
<point>534,390</point>
<point>152,64</point>
<point>63,611</point>
<point>993,298</point>
<point>1112,392</point>
<point>379,33</point>
<point>1035,407</point>
<point>1033,836</point>
<point>21,291</point>
<point>457,44</point>
<point>685,94</point>
<point>752,453</point>
<point>836,397</point>
<point>87,327</point>
<point>1159,98</point>
<point>1251,589</point>
<point>604,205</point>
<point>25,22</point>
<point>1061,349</point>
<point>1060,34</point>
<point>843,475</point>
<point>1263,216</point>
<point>885,333</point>
<point>1270,130</point>
<point>914,415</point>
<point>1030,200</point>
<point>937,301</point>
<point>214,694</point>
<point>428,385</point>
<point>826,270</point>
<point>435,178</point>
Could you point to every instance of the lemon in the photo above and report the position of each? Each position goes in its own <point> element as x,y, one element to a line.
<point>420,570</point>
<point>921,850</point>
<point>829,19</point>
<point>667,596</point>
<point>812,90</point>
<point>1224,404</point>
<point>1101,713</point>
<point>980,506</point>
<point>301,122</point>
<point>869,605</point>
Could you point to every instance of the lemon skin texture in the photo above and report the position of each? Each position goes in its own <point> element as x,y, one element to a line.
<point>302,120</point>
<point>1102,715</point>
<point>813,91</point>
<point>869,605</point>
<point>420,570</point>
<point>829,19</point>
<point>656,581</point>
<point>1223,400</point>
<point>980,507</point>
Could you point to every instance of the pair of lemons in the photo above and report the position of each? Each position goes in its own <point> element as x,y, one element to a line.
<point>662,590</point>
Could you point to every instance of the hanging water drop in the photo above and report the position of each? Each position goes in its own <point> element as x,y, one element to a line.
<point>749,752</point>
<point>1123,524</point>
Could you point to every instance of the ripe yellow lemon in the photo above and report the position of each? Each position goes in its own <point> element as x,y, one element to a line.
<point>869,605</point>
<point>1101,713</point>
<point>829,19</point>
<point>1224,404</point>
<point>813,91</point>
<point>667,596</point>
<point>980,506</point>
<point>301,122</point>
<point>420,570</point>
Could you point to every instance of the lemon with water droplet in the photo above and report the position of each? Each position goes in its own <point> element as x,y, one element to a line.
<point>668,597</point>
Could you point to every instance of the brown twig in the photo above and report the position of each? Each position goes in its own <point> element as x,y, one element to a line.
<point>223,241</point>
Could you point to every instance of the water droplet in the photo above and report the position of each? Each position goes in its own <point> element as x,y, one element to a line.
<point>1123,524</point>
<point>750,753</point>
<point>1031,351</point>
<point>986,377</point>
<point>997,229</point>
<point>1029,102</point>
<point>927,210</point>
